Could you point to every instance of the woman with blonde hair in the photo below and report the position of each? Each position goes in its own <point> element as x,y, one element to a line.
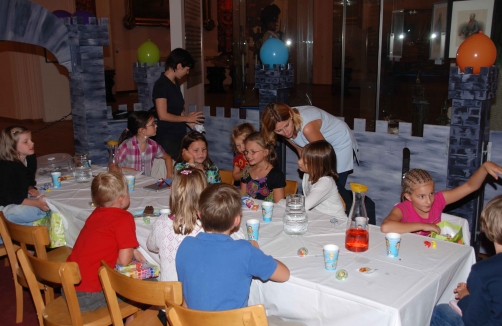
<point>305,124</point>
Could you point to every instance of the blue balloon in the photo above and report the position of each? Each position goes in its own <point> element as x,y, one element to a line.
<point>274,51</point>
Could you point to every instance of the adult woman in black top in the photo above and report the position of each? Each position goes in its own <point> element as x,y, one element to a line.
<point>169,103</point>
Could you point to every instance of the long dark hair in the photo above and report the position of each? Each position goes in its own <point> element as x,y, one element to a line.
<point>320,159</point>
<point>137,120</point>
<point>189,138</point>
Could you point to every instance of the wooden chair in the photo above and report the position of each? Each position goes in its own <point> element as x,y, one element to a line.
<point>249,316</point>
<point>62,311</point>
<point>227,177</point>
<point>151,293</point>
<point>291,188</point>
<point>27,235</point>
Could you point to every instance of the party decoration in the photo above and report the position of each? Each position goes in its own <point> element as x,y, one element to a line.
<point>61,14</point>
<point>274,51</point>
<point>84,14</point>
<point>148,52</point>
<point>477,51</point>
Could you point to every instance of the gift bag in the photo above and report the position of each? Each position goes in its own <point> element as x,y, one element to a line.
<point>54,224</point>
<point>449,232</point>
<point>139,271</point>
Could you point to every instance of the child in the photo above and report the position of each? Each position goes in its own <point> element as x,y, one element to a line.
<point>18,165</point>
<point>421,208</point>
<point>194,153</point>
<point>109,234</point>
<point>169,230</point>
<point>215,270</point>
<point>239,134</point>
<point>136,150</point>
<point>318,161</point>
<point>262,179</point>
<point>481,298</point>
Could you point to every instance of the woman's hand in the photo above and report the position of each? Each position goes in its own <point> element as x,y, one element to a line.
<point>139,256</point>
<point>461,291</point>
<point>492,169</point>
<point>187,157</point>
<point>196,117</point>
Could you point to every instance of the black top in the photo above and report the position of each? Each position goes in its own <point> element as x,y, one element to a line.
<point>15,178</point>
<point>165,88</point>
<point>263,188</point>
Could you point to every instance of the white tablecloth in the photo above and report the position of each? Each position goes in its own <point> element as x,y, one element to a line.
<point>402,291</point>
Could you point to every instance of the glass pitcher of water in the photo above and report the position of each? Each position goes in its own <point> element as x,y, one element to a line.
<point>82,168</point>
<point>295,218</point>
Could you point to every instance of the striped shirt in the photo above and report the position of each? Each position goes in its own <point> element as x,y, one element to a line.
<point>130,156</point>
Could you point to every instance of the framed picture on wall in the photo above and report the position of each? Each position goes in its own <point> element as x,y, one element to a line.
<point>146,13</point>
<point>438,30</point>
<point>467,18</point>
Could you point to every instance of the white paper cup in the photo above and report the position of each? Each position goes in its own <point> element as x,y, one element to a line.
<point>330,256</point>
<point>392,244</point>
<point>253,229</point>
<point>130,182</point>
<point>165,211</point>
<point>56,179</point>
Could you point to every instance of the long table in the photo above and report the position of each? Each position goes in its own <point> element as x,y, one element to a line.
<point>402,291</point>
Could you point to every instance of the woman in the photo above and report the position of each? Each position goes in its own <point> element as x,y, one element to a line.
<point>169,103</point>
<point>305,124</point>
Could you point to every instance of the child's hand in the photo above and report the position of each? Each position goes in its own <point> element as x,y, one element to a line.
<point>187,157</point>
<point>255,243</point>
<point>33,192</point>
<point>461,291</point>
<point>40,203</point>
<point>431,228</point>
<point>139,256</point>
<point>492,169</point>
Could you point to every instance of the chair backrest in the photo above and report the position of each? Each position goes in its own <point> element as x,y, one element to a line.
<point>9,247</point>
<point>248,316</point>
<point>66,274</point>
<point>151,293</point>
<point>291,188</point>
<point>37,236</point>
<point>227,177</point>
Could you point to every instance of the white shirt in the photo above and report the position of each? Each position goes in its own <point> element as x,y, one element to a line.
<point>323,196</point>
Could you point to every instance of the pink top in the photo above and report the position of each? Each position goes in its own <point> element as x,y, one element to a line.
<point>411,216</point>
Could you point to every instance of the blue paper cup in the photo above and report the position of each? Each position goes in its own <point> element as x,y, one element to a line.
<point>267,210</point>
<point>392,244</point>
<point>56,179</point>
<point>330,256</point>
<point>253,229</point>
<point>130,182</point>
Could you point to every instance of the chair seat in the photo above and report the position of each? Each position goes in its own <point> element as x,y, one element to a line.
<point>147,318</point>
<point>56,313</point>
<point>59,254</point>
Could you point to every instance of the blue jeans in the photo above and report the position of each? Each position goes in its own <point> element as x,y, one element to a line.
<point>22,214</point>
<point>444,315</point>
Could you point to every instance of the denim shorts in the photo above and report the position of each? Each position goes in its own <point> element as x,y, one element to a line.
<point>90,301</point>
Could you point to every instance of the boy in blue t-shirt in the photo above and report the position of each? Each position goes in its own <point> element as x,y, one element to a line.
<point>215,270</point>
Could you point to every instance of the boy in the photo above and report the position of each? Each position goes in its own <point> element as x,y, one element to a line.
<point>480,300</point>
<point>216,270</point>
<point>109,234</point>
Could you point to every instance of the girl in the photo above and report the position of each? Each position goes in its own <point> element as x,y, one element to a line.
<point>169,102</point>
<point>169,230</point>
<point>262,179</point>
<point>18,165</point>
<point>239,134</point>
<point>319,181</point>
<point>136,150</point>
<point>421,207</point>
<point>194,154</point>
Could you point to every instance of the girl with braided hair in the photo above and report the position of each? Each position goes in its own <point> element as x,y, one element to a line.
<point>421,207</point>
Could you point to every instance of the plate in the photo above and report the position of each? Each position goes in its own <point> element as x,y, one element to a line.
<point>139,213</point>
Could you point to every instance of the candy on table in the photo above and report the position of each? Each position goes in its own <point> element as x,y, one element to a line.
<point>162,182</point>
<point>342,274</point>
<point>302,252</point>
<point>433,244</point>
<point>427,244</point>
<point>248,201</point>
<point>366,270</point>
<point>255,207</point>
<point>45,187</point>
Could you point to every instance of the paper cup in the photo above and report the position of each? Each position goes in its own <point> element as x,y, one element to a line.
<point>165,211</point>
<point>130,182</point>
<point>56,179</point>
<point>392,243</point>
<point>253,229</point>
<point>267,210</point>
<point>330,256</point>
<point>361,222</point>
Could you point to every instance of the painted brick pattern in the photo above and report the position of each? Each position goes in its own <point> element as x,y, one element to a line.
<point>145,77</point>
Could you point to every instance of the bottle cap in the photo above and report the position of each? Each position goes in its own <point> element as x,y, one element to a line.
<point>358,187</point>
<point>112,143</point>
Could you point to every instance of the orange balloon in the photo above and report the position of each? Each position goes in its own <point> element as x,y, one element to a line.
<point>477,51</point>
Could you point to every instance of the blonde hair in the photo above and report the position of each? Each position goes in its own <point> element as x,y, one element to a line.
<point>413,179</point>
<point>258,139</point>
<point>107,187</point>
<point>491,220</point>
<point>184,201</point>
<point>277,112</point>
<point>8,142</point>
<point>242,130</point>
<point>320,159</point>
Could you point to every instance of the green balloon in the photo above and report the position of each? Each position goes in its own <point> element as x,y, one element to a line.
<point>148,52</point>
